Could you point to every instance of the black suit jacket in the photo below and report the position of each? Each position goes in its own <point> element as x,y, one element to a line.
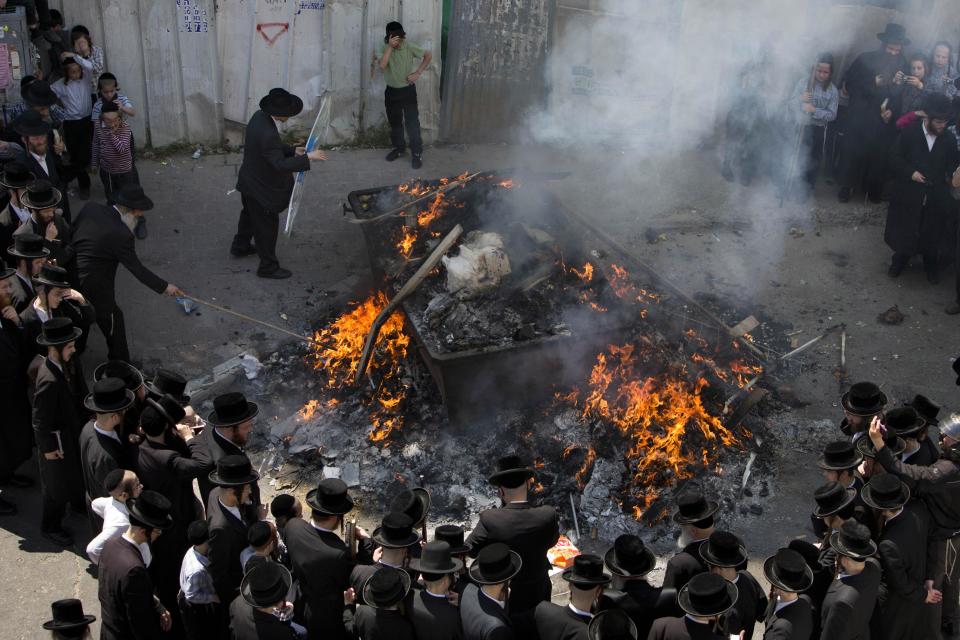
<point>16,437</point>
<point>481,618</point>
<point>926,455</point>
<point>380,624</point>
<point>322,564</point>
<point>102,242</point>
<point>266,173</point>
<point>682,628</point>
<point>169,468</point>
<point>9,223</point>
<point>61,249</point>
<point>642,602</point>
<point>23,293</point>
<point>902,550</point>
<point>683,566</point>
<point>82,316</point>
<point>55,408</point>
<point>100,455</point>
<point>751,605</point>
<point>849,603</point>
<point>559,622</point>
<point>211,448</point>
<point>246,623</point>
<point>435,618</point>
<point>793,622</point>
<point>52,174</point>
<point>530,531</point>
<point>126,594</point>
<point>228,538</point>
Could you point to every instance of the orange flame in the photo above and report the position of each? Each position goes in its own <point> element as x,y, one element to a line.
<point>506,184</point>
<point>407,240</point>
<point>309,409</point>
<point>585,274</point>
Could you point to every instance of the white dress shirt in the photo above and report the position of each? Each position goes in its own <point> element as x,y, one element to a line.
<point>116,519</point>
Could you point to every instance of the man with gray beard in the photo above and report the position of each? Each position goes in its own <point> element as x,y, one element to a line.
<point>103,239</point>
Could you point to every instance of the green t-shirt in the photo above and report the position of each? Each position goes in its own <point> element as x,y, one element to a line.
<point>401,63</point>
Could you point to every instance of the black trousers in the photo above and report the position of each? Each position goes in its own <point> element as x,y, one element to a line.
<point>113,181</point>
<point>864,161</point>
<point>262,227</point>
<point>110,320</point>
<point>78,136</point>
<point>813,139</point>
<point>402,111</point>
<point>61,482</point>
<point>200,621</point>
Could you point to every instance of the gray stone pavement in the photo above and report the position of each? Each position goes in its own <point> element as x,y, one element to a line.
<point>810,265</point>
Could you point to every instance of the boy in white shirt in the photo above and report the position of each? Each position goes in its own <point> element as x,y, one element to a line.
<point>122,485</point>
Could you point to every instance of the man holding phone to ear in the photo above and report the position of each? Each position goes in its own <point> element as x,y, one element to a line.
<point>395,58</point>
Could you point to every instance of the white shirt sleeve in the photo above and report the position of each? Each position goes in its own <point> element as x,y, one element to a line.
<point>99,505</point>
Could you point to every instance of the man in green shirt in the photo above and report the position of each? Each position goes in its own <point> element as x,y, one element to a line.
<point>396,60</point>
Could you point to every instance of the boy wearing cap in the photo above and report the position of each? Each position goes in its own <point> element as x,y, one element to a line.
<point>395,57</point>
<point>197,600</point>
<point>112,510</point>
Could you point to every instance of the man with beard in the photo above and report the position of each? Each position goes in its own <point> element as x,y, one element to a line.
<point>228,429</point>
<point>235,479</point>
<point>30,255</point>
<point>103,239</point>
<point>55,299</point>
<point>42,151</point>
<point>860,403</point>
<point>921,163</point>
<point>695,517</point>
<point>41,200</point>
<point>16,435</point>
<point>134,382</point>
<point>870,127</point>
<point>15,177</point>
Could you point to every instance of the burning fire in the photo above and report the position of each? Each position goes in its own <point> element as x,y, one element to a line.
<point>407,240</point>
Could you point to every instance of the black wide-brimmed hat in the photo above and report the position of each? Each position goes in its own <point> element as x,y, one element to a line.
<point>396,531</point>
<point>612,624</point>
<point>495,563</point>
<point>386,587</point>
<point>52,276</point>
<point>169,408</point>
<point>894,34</point>
<point>330,497</point>
<point>281,103</point>
<point>16,175</point>
<point>787,570</point>
<point>31,123</point>
<point>904,421</point>
<point>6,272</point>
<point>231,409</point>
<point>629,557</point>
<point>130,375</point>
<point>853,540</point>
<point>68,614</point>
<point>109,395</point>
<point>839,456</point>
<point>723,549</point>
<point>693,507</point>
<point>394,28</point>
<point>885,492</point>
<point>511,472</point>
<point>707,595</point>
<point>435,557</point>
<point>892,441</point>
<point>168,383</point>
<point>39,93</point>
<point>938,107</point>
<point>831,498</point>
<point>152,509</point>
<point>57,331</point>
<point>131,196</point>
<point>41,194</point>
<point>863,399</point>
<point>266,584</point>
<point>233,471</point>
<point>28,246</point>
<point>413,502</point>
<point>587,571</point>
<point>926,407</point>
<point>453,535</point>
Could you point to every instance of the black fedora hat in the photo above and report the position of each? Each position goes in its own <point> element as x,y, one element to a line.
<point>130,375</point>
<point>511,472</point>
<point>926,408</point>
<point>612,624</point>
<point>68,614</point>
<point>39,93</point>
<point>131,196</point>
<point>6,272</point>
<point>28,246</point>
<point>16,175</point>
<point>894,34</point>
<point>266,584</point>
<point>453,535</point>
<point>853,540</point>
<point>831,498</point>
<point>839,456</point>
<point>281,103</point>
<point>168,383</point>
<point>394,28</point>
<point>31,123</point>
<point>231,409</point>
<point>330,497</point>
<point>885,492</point>
<point>109,395</point>
<point>413,502</point>
<point>938,107</point>
<point>435,558</point>
<point>386,587</point>
<point>41,194</point>
<point>495,563</point>
<point>152,509</point>
<point>587,571</point>
<point>693,507</point>
<point>233,471</point>
<point>52,276</point>
<point>707,595</point>
<point>723,549</point>
<point>787,570</point>
<point>863,399</point>
<point>904,421</point>
<point>891,440</point>
<point>629,557</point>
<point>396,531</point>
<point>169,408</point>
<point>57,331</point>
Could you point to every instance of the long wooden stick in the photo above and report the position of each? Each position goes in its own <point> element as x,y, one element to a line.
<point>404,207</point>
<point>415,280</point>
<point>243,316</point>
